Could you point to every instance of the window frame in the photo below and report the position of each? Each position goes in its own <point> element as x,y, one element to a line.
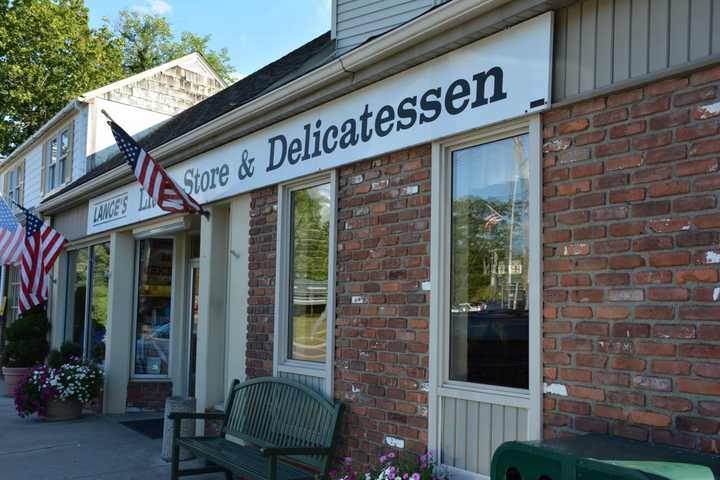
<point>13,191</point>
<point>52,183</point>
<point>136,283</point>
<point>440,272</point>
<point>12,274</point>
<point>69,281</point>
<point>282,363</point>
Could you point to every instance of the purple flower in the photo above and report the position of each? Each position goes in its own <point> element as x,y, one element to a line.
<point>415,476</point>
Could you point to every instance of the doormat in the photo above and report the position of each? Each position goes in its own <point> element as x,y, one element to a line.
<point>151,428</point>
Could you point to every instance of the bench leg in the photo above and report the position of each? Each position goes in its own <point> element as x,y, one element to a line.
<point>175,458</point>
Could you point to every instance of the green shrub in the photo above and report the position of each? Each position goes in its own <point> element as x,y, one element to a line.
<point>67,352</point>
<point>26,342</point>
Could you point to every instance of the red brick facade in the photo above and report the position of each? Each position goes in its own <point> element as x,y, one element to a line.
<point>631,253</point>
<point>148,395</point>
<point>381,334</point>
<point>261,292</point>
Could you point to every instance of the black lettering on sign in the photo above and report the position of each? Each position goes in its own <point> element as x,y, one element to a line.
<point>426,107</point>
<point>111,209</point>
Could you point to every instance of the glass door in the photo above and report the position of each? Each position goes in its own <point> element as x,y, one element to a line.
<point>193,312</point>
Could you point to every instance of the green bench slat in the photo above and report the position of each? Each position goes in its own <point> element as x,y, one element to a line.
<point>268,412</point>
<point>241,460</point>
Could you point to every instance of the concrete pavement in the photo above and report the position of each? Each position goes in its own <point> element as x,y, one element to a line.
<point>94,447</point>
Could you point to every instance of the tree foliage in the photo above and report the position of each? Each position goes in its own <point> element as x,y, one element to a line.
<point>480,250</point>
<point>147,40</point>
<point>311,234</point>
<point>48,55</point>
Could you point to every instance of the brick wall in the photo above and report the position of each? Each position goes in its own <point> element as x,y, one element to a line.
<point>261,293</point>
<point>148,396</point>
<point>631,230</point>
<point>381,333</point>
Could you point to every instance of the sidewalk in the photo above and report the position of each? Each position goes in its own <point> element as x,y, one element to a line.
<point>95,447</point>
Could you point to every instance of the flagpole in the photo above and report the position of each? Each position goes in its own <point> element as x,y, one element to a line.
<point>203,212</point>
<point>107,115</point>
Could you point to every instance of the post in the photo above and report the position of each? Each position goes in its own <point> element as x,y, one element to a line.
<point>210,368</point>
<point>120,321</point>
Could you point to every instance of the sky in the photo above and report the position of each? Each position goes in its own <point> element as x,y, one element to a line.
<point>255,32</point>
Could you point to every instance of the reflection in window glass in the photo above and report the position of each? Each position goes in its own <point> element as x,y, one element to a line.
<point>310,236</point>
<point>99,302</point>
<point>77,294</point>
<point>13,294</point>
<point>489,278</point>
<point>152,330</point>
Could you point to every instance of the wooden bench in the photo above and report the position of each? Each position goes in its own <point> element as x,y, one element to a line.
<point>286,431</point>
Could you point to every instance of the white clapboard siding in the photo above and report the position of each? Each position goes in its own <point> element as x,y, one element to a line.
<point>358,20</point>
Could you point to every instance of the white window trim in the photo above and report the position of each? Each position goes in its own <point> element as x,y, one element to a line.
<point>13,191</point>
<point>147,377</point>
<point>440,385</point>
<point>58,139</point>
<point>281,362</point>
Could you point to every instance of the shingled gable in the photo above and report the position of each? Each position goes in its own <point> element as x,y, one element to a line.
<point>190,64</point>
<point>313,54</point>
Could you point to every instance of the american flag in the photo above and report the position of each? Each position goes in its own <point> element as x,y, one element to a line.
<point>43,245</point>
<point>12,236</point>
<point>155,181</point>
<point>492,219</point>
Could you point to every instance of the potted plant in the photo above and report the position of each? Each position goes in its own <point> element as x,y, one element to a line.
<point>64,354</point>
<point>58,393</point>
<point>26,345</point>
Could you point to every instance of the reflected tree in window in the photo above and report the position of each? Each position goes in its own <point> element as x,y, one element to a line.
<point>489,264</point>
<point>309,273</point>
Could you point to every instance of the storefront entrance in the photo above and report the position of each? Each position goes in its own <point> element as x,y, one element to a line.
<point>193,305</point>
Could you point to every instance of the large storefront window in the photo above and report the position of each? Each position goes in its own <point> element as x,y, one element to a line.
<point>87,301</point>
<point>152,328</point>
<point>489,264</point>
<point>310,237</point>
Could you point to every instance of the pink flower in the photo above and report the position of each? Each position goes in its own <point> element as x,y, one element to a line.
<point>415,476</point>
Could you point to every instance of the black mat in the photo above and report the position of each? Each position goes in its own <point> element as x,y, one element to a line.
<point>151,428</point>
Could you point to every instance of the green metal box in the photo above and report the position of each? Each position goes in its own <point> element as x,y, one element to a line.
<point>600,457</point>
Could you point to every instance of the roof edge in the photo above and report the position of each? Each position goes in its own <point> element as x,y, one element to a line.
<point>432,23</point>
<point>72,105</point>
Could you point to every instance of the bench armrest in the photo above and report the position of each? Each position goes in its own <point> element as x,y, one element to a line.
<point>196,416</point>
<point>274,451</point>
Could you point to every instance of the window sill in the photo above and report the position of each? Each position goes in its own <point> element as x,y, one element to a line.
<point>150,378</point>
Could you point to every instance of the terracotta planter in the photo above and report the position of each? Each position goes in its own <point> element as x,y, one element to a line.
<point>61,410</point>
<point>13,376</point>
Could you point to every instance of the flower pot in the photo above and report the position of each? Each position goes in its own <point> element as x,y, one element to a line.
<point>13,376</point>
<point>61,410</point>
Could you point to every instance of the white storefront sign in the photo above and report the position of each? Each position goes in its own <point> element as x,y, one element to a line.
<point>503,76</point>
